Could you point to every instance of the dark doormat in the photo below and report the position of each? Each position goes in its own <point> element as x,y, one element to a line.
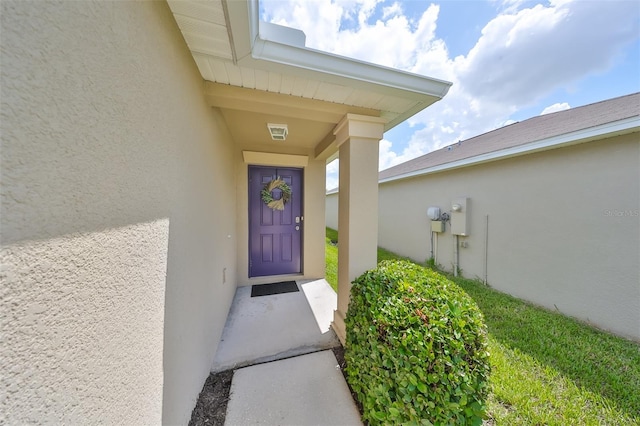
<point>275,288</point>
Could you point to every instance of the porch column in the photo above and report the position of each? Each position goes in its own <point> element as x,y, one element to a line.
<point>357,137</point>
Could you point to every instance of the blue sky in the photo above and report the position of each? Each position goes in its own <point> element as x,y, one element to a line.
<point>509,60</point>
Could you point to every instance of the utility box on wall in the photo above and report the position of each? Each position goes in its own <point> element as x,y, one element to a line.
<point>460,216</point>
<point>437,226</point>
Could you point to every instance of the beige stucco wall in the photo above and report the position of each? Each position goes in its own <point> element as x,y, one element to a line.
<point>313,261</point>
<point>564,230</point>
<point>331,210</point>
<point>114,236</point>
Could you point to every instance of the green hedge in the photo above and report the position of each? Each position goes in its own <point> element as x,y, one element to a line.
<point>416,348</point>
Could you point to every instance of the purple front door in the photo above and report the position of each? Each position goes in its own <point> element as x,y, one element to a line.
<point>274,235</point>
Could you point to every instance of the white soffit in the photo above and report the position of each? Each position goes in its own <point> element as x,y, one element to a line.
<point>204,27</point>
<point>230,46</point>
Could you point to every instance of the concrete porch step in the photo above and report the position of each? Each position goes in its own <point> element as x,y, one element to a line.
<point>267,328</point>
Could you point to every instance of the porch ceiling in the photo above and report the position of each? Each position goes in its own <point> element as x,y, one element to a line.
<point>259,73</point>
<point>247,111</point>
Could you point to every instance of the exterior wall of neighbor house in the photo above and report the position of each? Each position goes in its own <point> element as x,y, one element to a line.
<point>313,210</point>
<point>113,235</point>
<point>331,208</point>
<point>563,227</point>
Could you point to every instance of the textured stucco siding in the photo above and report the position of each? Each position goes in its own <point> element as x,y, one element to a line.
<point>117,216</point>
<point>331,210</point>
<point>82,315</point>
<point>563,227</point>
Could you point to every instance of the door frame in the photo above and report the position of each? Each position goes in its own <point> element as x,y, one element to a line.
<point>250,204</point>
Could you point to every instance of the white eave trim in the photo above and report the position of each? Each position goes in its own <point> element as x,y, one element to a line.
<point>608,130</point>
<point>253,51</point>
<point>352,69</point>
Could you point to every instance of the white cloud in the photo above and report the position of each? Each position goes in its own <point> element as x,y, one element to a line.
<point>522,55</point>
<point>509,6</point>
<point>332,174</point>
<point>393,10</point>
<point>387,157</point>
<point>555,108</point>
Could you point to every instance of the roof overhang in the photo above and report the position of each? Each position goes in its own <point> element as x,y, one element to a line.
<point>232,47</point>
<point>604,131</point>
<point>272,47</point>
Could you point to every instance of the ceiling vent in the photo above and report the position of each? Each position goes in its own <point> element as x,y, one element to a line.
<point>278,132</point>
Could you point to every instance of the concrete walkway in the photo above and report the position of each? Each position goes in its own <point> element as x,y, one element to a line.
<point>289,376</point>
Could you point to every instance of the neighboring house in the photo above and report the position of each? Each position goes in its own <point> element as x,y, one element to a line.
<point>134,148</point>
<point>552,211</point>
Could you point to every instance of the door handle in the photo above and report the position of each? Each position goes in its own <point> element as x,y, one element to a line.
<point>297,228</point>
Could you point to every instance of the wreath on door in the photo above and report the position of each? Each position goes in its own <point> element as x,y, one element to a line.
<point>267,196</point>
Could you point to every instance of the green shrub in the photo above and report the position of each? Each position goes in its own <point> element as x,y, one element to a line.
<point>416,348</point>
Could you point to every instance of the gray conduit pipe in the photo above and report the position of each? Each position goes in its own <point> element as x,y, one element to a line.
<point>486,249</point>
<point>432,255</point>
<point>456,253</point>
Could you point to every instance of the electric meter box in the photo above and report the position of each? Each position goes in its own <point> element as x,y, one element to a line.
<point>433,213</point>
<point>437,226</point>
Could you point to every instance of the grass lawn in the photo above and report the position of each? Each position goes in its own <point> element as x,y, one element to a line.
<point>546,368</point>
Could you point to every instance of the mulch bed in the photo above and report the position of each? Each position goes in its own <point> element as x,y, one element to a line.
<point>211,408</point>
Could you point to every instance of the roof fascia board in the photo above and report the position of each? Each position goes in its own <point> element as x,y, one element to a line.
<point>253,51</point>
<point>342,68</point>
<point>617,128</point>
<point>240,27</point>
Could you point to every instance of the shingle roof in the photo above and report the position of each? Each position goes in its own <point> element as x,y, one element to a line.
<point>524,132</point>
